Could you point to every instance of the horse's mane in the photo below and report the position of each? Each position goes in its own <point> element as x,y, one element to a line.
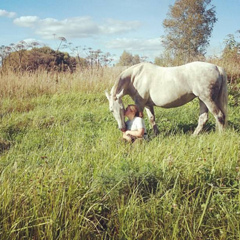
<point>114,88</point>
<point>118,86</point>
<point>125,78</point>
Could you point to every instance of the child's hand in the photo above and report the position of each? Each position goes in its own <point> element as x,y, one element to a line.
<point>127,132</point>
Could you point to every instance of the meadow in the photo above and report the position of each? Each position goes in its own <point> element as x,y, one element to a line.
<point>65,173</point>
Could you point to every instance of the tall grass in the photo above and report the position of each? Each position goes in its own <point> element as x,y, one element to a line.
<point>39,83</point>
<point>66,174</point>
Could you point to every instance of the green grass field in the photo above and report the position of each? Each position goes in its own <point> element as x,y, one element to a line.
<point>66,174</point>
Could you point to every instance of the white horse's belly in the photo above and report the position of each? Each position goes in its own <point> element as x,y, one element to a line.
<point>166,101</point>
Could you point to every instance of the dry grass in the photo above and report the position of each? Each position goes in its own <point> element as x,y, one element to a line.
<point>232,68</point>
<point>14,85</point>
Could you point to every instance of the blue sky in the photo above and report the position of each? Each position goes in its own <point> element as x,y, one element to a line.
<point>110,25</point>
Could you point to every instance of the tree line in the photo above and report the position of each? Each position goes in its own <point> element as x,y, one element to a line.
<point>33,56</point>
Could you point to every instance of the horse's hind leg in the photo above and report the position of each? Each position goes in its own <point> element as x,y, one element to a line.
<point>151,117</point>
<point>217,113</point>
<point>203,117</point>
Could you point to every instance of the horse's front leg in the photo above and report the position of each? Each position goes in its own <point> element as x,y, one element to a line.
<point>151,117</point>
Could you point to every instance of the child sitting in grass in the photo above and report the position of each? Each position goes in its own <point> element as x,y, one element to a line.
<point>135,125</point>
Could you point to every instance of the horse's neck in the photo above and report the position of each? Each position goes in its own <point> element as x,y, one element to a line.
<point>120,87</point>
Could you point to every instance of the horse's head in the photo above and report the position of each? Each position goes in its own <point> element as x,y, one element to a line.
<point>117,108</point>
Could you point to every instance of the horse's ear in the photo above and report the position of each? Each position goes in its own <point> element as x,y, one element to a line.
<point>107,95</point>
<point>119,95</point>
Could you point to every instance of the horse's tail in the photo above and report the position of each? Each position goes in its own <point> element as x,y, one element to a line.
<point>223,94</point>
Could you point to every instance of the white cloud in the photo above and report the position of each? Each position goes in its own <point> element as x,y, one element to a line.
<point>31,41</point>
<point>151,47</point>
<point>78,27</point>
<point>26,21</point>
<point>135,44</point>
<point>112,26</point>
<point>4,13</point>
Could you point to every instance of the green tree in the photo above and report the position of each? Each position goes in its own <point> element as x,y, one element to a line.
<point>164,60</point>
<point>4,53</point>
<point>136,59</point>
<point>231,57</point>
<point>188,28</point>
<point>127,59</point>
<point>39,58</point>
<point>232,48</point>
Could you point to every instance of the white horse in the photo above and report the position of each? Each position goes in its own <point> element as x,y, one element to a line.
<point>168,87</point>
